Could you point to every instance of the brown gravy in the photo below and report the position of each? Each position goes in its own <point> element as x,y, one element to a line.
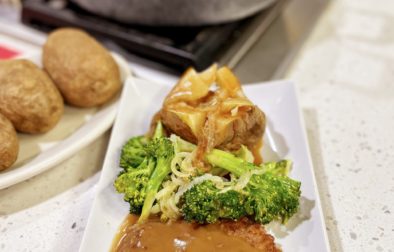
<point>256,151</point>
<point>177,236</point>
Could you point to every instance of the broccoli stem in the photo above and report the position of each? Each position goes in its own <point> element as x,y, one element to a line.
<point>229,162</point>
<point>161,171</point>
<point>162,150</point>
<point>183,145</point>
<point>159,130</point>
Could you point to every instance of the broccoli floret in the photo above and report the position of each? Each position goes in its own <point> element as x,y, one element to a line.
<point>133,152</point>
<point>138,159</point>
<point>133,183</point>
<point>266,197</point>
<point>205,203</point>
<point>146,163</point>
<point>271,195</point>
<point>266,194</point>
<point>161,150</point>
<point>281,167</point>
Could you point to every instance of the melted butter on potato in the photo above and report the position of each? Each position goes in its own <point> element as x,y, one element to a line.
<point>28,97</point>
<point>9,144</point>
<point>83,70</point>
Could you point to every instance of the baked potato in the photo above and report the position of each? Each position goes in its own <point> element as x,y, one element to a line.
<point>83,70</point>
<point>221,117</point>
<point>28,97</point>
<point>9,144</point>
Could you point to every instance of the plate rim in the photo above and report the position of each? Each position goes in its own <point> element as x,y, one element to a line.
<point>64,149</point>
<point>310,163</point>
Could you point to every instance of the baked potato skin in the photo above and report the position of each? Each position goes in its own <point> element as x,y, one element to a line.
<point>83,70</point>
<point>9,144</point>
<point>28,97</point>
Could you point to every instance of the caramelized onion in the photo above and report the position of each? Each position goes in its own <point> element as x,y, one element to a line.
<point>211,110</point>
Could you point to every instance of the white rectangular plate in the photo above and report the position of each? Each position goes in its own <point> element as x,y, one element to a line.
<point>284,138</point>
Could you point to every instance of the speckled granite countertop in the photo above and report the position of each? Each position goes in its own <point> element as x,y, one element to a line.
<point>345,76</point>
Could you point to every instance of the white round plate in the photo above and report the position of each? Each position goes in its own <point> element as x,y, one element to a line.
<point>77,128</point>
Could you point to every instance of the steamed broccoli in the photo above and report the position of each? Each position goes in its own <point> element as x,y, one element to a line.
<point>146,162</point>
<point>133,183</point>
<point>278,168</point>
<point>205,203</point>
<point>133,152</point>
<point>159,130</point>
<point>272,197</point>
<point>265,198</point>
<point>270,193</point>
<point>141,184</point>
<point>263,193</point>
<point>161,151</point>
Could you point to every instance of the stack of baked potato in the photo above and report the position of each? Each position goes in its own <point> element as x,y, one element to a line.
<point>77,70</point>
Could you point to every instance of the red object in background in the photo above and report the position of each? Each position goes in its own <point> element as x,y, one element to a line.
<point>7,53</point>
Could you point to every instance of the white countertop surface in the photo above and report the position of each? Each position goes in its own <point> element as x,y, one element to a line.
<point>345,75</point>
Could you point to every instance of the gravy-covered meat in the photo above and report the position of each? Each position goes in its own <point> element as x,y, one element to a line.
<point>253,233</point>
<point>155,235</point>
